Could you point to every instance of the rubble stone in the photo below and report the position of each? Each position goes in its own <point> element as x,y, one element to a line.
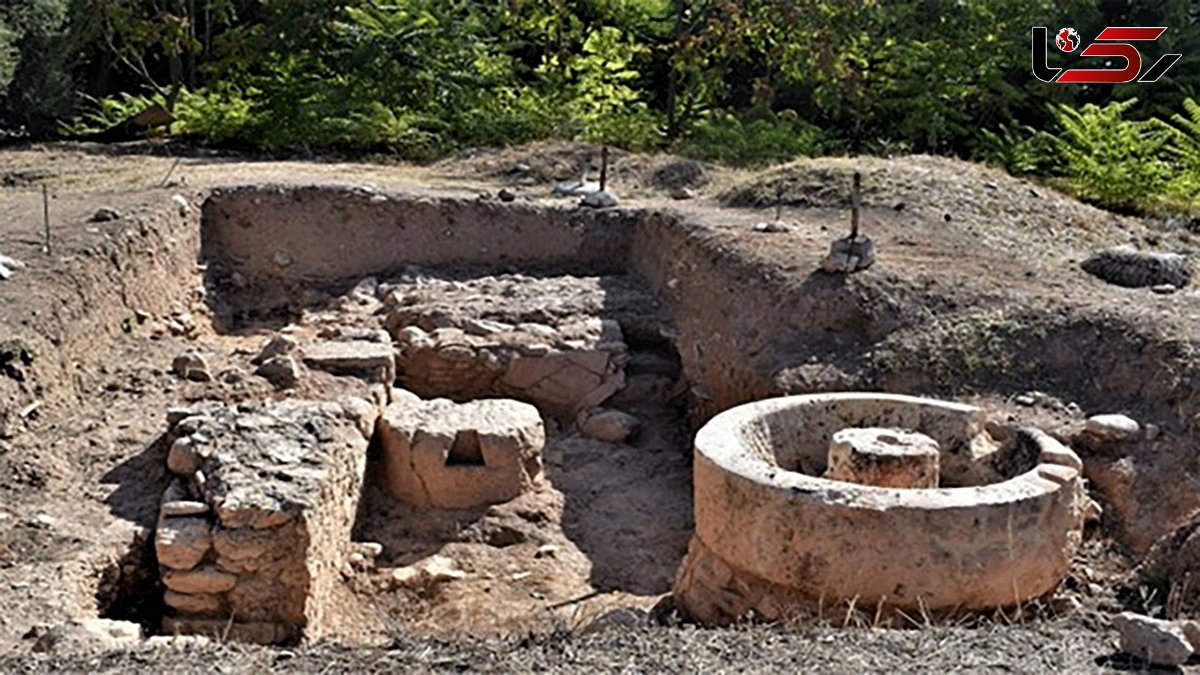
<point>361,358</point>
<point>611,426</point>
<point>849,255</point>
<point>1154,641</point>
<point>89,636</point>
<point>1131,268</point>
<point>191,365</point>
<point>1112,428</point>
<point>181,543</point>
<point>282,371</point>
<point>278,345</point>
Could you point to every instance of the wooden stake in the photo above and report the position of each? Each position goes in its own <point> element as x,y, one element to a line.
<point>855,204</point>
<point>163,182</point>
<point>46,215</point>
<point>603,167</point>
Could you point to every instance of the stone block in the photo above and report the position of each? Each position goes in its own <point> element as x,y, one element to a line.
<point>883,458</point>
<point>200,581</point>
<point>181,543</point>
<point>449,455</point>
<point>274,504</point>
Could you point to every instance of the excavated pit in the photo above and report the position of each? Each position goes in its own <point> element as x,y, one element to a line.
<point>462,377</point>
<point>624,329</point>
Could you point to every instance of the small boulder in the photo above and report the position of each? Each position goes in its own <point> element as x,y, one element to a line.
<point>848,255</point>
<point>773,227</point>
<point>191,365</point>
<point>1114,428</point>
<point>601,199</point>
<point>181,543</point>
<point>1155,641</point>
<point>183,459</point>
<point>89,636</point>
<point>276,346</point>
<point>281,371</point>
<point>105,214</point>
<point>1130,268</point>
<point>610,426</point>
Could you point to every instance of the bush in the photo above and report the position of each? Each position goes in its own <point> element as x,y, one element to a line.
<point>1183,189</point>
<point>1111,161</point>
<point>1020,150</point>
<point>727,139</point>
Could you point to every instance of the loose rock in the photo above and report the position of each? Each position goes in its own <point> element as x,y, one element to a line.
<point>105,214</point>
<point>611,426</point>
<point>281,371</point>
<point>183,458</point>
<point>191,365</point>
<point>1130,268</point>
<point>771,227</point>
<point>276,346</point>
<point>89,636</point>
<point>1152,640</point>
<point>1112,428</point>
<point>601,199</point>
<point>847,255</point>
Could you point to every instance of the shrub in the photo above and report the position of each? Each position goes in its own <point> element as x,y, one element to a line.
<point>727,139</point>
<point>1112,161</point>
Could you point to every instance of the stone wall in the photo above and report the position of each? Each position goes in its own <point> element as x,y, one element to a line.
<point>255,528</point>
<point>560,369</point>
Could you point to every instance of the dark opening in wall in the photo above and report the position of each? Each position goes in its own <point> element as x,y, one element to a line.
<point>466,450</point>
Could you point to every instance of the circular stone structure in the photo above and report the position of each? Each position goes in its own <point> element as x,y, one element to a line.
<point>775,540</point>
<point>884,458</point>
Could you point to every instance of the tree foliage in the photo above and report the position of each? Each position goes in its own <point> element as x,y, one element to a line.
<point>740,81</point>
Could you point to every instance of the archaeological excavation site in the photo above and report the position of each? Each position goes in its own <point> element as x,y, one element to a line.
<point>281,410</point>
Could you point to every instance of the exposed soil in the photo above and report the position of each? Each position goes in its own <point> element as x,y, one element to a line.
<point>977,296</point>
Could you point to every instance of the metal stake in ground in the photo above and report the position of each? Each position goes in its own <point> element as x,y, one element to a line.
<point>855,205</point>
<point>46,215</point>
<point>603,167</point>
<point>855,252</point>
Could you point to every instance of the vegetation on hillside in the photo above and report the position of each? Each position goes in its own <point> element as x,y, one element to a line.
<point>746,82</point>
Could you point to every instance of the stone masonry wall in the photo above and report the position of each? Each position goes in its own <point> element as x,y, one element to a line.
<point>256,526</point>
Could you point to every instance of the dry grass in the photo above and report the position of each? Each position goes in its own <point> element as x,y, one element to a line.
<point>1045,647</point>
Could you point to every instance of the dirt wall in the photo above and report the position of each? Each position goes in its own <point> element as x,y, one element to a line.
<point>273,242</point>
<point>72,306</point>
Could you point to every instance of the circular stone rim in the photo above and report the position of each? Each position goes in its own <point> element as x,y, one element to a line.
<point>757,519</point>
